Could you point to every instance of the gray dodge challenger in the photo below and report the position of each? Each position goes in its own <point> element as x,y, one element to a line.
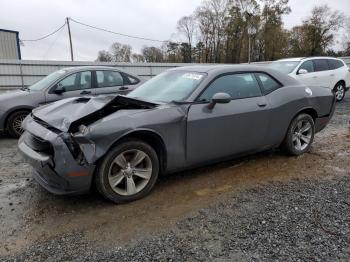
<point>183,118</point>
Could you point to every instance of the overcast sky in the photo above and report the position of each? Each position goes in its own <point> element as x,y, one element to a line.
<point>149,18</point>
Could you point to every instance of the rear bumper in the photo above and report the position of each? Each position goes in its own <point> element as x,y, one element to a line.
<point>322,122</point>
<point>58,172</point>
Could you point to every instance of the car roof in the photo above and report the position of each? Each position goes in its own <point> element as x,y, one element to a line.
<point>293,59</point>
<point>81,68</point>
<point>298,59</point>
<point>217,68</point>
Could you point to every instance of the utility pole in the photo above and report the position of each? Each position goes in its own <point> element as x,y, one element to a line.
<point>251,32</point>
<point>249,49</point>
<point>70,40</point>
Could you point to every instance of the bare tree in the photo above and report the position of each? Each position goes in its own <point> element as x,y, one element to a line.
<point>120,52</point>
<point>187,26</point>
<point>137,58</point>
<point>104,56</point>
<point>346,39</point>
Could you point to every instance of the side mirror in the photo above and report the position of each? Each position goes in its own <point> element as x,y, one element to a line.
<point>59,89</point>
<point>302,71</point>
<point>219,98</point>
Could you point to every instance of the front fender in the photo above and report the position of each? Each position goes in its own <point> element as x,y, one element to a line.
<point>93,150</point>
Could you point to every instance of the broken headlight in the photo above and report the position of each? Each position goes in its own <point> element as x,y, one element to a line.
<point>83,130</point>
<point>72,145</point>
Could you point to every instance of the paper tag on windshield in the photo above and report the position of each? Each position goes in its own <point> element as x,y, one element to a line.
<point>192,76</point>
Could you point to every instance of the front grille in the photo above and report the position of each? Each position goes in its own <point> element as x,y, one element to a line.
<point>38,144</point>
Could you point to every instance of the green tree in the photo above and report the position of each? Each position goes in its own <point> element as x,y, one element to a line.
<point>316,34</point>
<point>152,54</point>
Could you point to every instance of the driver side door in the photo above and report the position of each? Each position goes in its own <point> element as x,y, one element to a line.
<point>75,85</point>
<point>228,129</point>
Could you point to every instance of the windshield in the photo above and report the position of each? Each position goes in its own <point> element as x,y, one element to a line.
<point>46,81</point>
<point>169,86</point>
<point>284,66</point>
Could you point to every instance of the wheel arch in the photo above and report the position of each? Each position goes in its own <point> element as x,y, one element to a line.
<point>306,110</point>
<point>340,81</point>
<point>151,137</point>
<point>14,110</point>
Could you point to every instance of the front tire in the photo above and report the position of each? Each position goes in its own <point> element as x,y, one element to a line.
<point>300,135</point>
<point>128,172</point>
<point>339,91</point>
<point>14,123</point>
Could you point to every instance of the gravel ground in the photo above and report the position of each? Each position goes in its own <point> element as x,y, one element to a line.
<point>297,221</point>
<point>266,207</point>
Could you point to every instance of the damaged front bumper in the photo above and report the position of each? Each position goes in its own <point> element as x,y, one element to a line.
<point>55,167</point>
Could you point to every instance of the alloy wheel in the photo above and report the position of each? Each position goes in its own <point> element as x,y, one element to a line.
<point>17,124</point>
<point>302,135</point>
<point>130,172</point>
<point>339,92</point>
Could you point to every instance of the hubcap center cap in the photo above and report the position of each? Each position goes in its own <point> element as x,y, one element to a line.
<point>128,171</point>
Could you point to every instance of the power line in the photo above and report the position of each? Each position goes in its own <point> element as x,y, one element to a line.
<point>46,36</point>
<point>52,44</point>
<point>116,33</point>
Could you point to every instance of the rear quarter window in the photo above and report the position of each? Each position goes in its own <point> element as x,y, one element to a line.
<point>335,64</point>
<point>268,83</point>
<point>131,80</point>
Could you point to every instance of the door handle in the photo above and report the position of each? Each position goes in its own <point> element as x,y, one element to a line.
<point>331,75</point>
<point>85,92</point>
<point>262,104</point>
<point>123,88</point>
<point>314,77</point>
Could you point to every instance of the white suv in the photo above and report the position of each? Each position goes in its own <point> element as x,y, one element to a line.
<point>317,71</point>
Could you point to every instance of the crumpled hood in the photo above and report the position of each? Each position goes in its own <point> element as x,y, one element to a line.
<point>62,114</point>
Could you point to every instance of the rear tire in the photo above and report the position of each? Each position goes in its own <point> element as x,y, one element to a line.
<point>300,135</point>
<point>339,91</point>
<point>14,123</point>
<point>128,172</point>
